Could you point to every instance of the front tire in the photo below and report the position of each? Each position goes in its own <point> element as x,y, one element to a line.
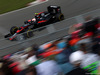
<point>13,29</point>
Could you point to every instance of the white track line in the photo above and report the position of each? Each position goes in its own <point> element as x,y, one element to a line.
<point>3,31</point>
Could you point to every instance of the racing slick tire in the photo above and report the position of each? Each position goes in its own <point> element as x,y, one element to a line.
<point>13,29</point>
<point>29,33</point>
<point>59,17</point>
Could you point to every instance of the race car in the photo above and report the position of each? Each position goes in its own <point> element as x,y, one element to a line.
<point>41,19</point>
<point>53,14</point>
<point>15,32</point>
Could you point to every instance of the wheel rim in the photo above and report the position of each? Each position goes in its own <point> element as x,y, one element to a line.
<point>28,33</point>
<point>14,30</point>
<point>61,17</point>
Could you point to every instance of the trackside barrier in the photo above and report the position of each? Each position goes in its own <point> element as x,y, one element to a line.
<point>59,29</point>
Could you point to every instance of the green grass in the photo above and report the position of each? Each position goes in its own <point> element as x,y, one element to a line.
<point>10,5</point>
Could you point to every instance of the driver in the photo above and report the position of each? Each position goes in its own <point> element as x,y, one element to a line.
<point>39,16</point>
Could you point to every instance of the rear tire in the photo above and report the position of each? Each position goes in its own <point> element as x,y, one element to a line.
<point>59,17</point>
<point>29,33</point>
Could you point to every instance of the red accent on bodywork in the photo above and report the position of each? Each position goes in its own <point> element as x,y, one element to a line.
<point>42,21</point>
<point>40,13</point>
<point>21,29</point>
<point>29,20</point>
<point>12,38</point>
<point>18,31</point>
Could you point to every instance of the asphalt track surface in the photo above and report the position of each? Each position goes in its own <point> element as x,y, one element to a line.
<point>70,8</point>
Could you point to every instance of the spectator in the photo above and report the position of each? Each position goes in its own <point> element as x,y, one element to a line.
<point>87,41</point>
<point>23,72</point>
<point>4,68</point>
<point>66,50</point>
<point>76,58</point>
<point>64,64</point>
<point>31,71</point>
<point>31,58</point>
<point>90,60</point>
<point>48,67</point>
<point>96,43</point>
<point>72,42</point>
<point>60,58</point>
<point>90,26</point>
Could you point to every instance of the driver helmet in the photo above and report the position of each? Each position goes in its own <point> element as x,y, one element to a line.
<point>42,14</point>
<point>37,15</point>
<point>33,19</point>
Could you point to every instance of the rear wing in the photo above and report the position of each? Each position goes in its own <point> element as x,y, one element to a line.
<point>54,9</point>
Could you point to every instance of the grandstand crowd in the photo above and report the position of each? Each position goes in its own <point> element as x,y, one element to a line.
<point>76,54</point>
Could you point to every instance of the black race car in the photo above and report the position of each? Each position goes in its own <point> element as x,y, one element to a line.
<point>41,19</point>
<point>53,14</point>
